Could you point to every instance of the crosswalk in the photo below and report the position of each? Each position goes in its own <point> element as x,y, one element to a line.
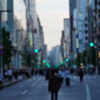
<point>85,77</point>
<point>71,77</point>
<point>36,78</point>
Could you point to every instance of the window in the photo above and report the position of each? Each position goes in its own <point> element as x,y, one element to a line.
<point>85,25</point>
<point>86,38</point>
<point>86,31</point>
<point>85,18</point>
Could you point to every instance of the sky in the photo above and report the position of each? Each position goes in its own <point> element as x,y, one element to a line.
<point>52,14</point>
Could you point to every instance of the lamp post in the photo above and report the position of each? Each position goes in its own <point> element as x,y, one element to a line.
<point>1,58</point>
<point>96,53</point>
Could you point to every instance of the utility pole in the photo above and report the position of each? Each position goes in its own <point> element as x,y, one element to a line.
<point>1,65</point>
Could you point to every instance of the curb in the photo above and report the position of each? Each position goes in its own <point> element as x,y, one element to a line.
<point>9,84</point>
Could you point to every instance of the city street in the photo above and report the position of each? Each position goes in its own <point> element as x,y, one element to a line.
<point>35,88</point>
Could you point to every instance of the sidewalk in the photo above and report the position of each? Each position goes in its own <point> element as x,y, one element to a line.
<point>5,84</point>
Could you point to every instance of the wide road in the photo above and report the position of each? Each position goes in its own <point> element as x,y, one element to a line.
<point>35,88</point>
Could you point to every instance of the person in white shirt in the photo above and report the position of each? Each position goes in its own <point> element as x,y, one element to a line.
<point>10,74</point>
<point>67,77</point>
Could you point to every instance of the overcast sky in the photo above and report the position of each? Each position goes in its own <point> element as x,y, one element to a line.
<point>51,14</point>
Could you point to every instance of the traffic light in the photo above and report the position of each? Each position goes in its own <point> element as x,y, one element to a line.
<point>67,59</point>
<point>48,65</point>
<point>36,50</point>
<point>44,61</point>
<point>61,62</point>
<point>91,44</point>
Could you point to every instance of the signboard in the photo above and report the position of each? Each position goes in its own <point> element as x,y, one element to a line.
<point>1,47</point>
<point>1,52</point>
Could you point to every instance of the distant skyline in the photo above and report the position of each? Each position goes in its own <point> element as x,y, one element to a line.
<point>52,14</point>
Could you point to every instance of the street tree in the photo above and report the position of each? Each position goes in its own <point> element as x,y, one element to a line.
<point>7,46</point>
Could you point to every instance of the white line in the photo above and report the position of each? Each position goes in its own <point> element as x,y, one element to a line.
<point>94,76</point>
<point>24,92</point>
<point>21,86</point>
<point>34,78</point>
<point>88,92</point>
<point>72,83</point>
<point>89,77</point>
<point>29,79</point>
<point>34,83</point>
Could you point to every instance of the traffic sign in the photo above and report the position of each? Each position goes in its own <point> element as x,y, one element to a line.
<point>1,47</point>
<point>1,52</point>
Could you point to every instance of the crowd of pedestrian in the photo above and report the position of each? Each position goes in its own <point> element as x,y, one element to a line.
<point>11,74</point>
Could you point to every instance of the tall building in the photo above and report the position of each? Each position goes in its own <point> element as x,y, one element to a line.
<point>67,36</point>
<point>96,30</point>
<point>3,6</point>
<point>30,16</point>
<point>82,24</point>
<point>72,6</point>
<point>55,56</point>
<point>10,6</point>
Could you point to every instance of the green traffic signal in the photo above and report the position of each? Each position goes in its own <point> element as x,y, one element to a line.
<point>91,44</point>
<point>62,62</point>
<point>36,50</point>
<point>67,59</point>
<point>48,65</point>
<point>44,61</point>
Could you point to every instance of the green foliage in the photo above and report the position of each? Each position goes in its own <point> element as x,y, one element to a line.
<point>7,46</point>
<point>27,58</point>
<point>77,60</point>
<point>89,54</point>
<point>92,56</point>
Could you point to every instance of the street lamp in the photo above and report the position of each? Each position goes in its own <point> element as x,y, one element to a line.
<point>1,60</point>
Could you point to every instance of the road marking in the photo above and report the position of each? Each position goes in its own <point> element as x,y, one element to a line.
<point>39,78</point>
<point>21,86</point>
<point>34,78</point>
<point>46,84</point>
<point>94,76</point>
<point>89,77</point>
<point>72,83</point>
<point>24,92</point>
<point>88,92</point>
<point>29,79</point>
<point>35,83</point>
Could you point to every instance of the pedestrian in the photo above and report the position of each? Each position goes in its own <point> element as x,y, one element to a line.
<point>67,77</point>
<point>53,85</point>
<point>1,81</point>
<point>10,74</point>
<point>81,74</point>
<point>47,74</point>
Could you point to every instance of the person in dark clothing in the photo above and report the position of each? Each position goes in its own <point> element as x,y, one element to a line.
<point>1,81</point>
<point>81,74</point>
<point>47,74</point>
<point>53,85</point>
